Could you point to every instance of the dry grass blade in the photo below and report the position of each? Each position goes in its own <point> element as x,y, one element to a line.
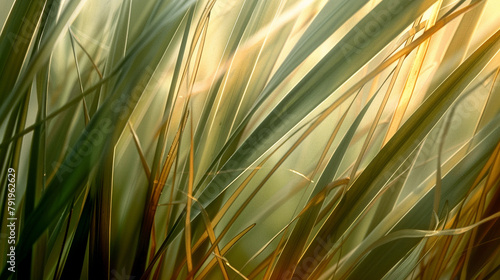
<point>94,64</point>
<point>144,162</point>
<point>159,185</point>
<point>224,250</point>
<point>166,170</point>
<point>376,120</point>
<point>491,182</point>
<point>384,103</point>
<point>187,229</point>
<point>230,266</point>
<point>211,234</point>
<point>411,81</point>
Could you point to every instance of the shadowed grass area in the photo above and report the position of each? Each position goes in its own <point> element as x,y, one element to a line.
<point>250,139</point>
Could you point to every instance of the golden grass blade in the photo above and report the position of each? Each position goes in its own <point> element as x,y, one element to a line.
<point>230,266</point>
<point>491,181</point>
<point>265,263</point>
<point>187,229</point>
<point>144,162</point>
<point>459,46</point>
<point>171,196</point>
<point>165,172</point>
<point>411,81</point>
<point>159,185</point>
<point>384,102</point>
<point>161,134</point>
<point>198,37</point>
<point>75,38</point>
<point>209,230</point>
<point>444,246</point>
<point>376,120</point>
<point>224,250</point>
<point>211,234</point>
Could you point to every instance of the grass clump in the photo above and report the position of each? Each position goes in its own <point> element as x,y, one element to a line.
<point>213,139</point>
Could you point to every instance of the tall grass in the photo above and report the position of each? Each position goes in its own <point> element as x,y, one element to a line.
<point>250,139</point>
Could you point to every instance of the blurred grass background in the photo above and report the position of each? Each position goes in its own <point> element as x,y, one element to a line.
<point>287,139</point>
